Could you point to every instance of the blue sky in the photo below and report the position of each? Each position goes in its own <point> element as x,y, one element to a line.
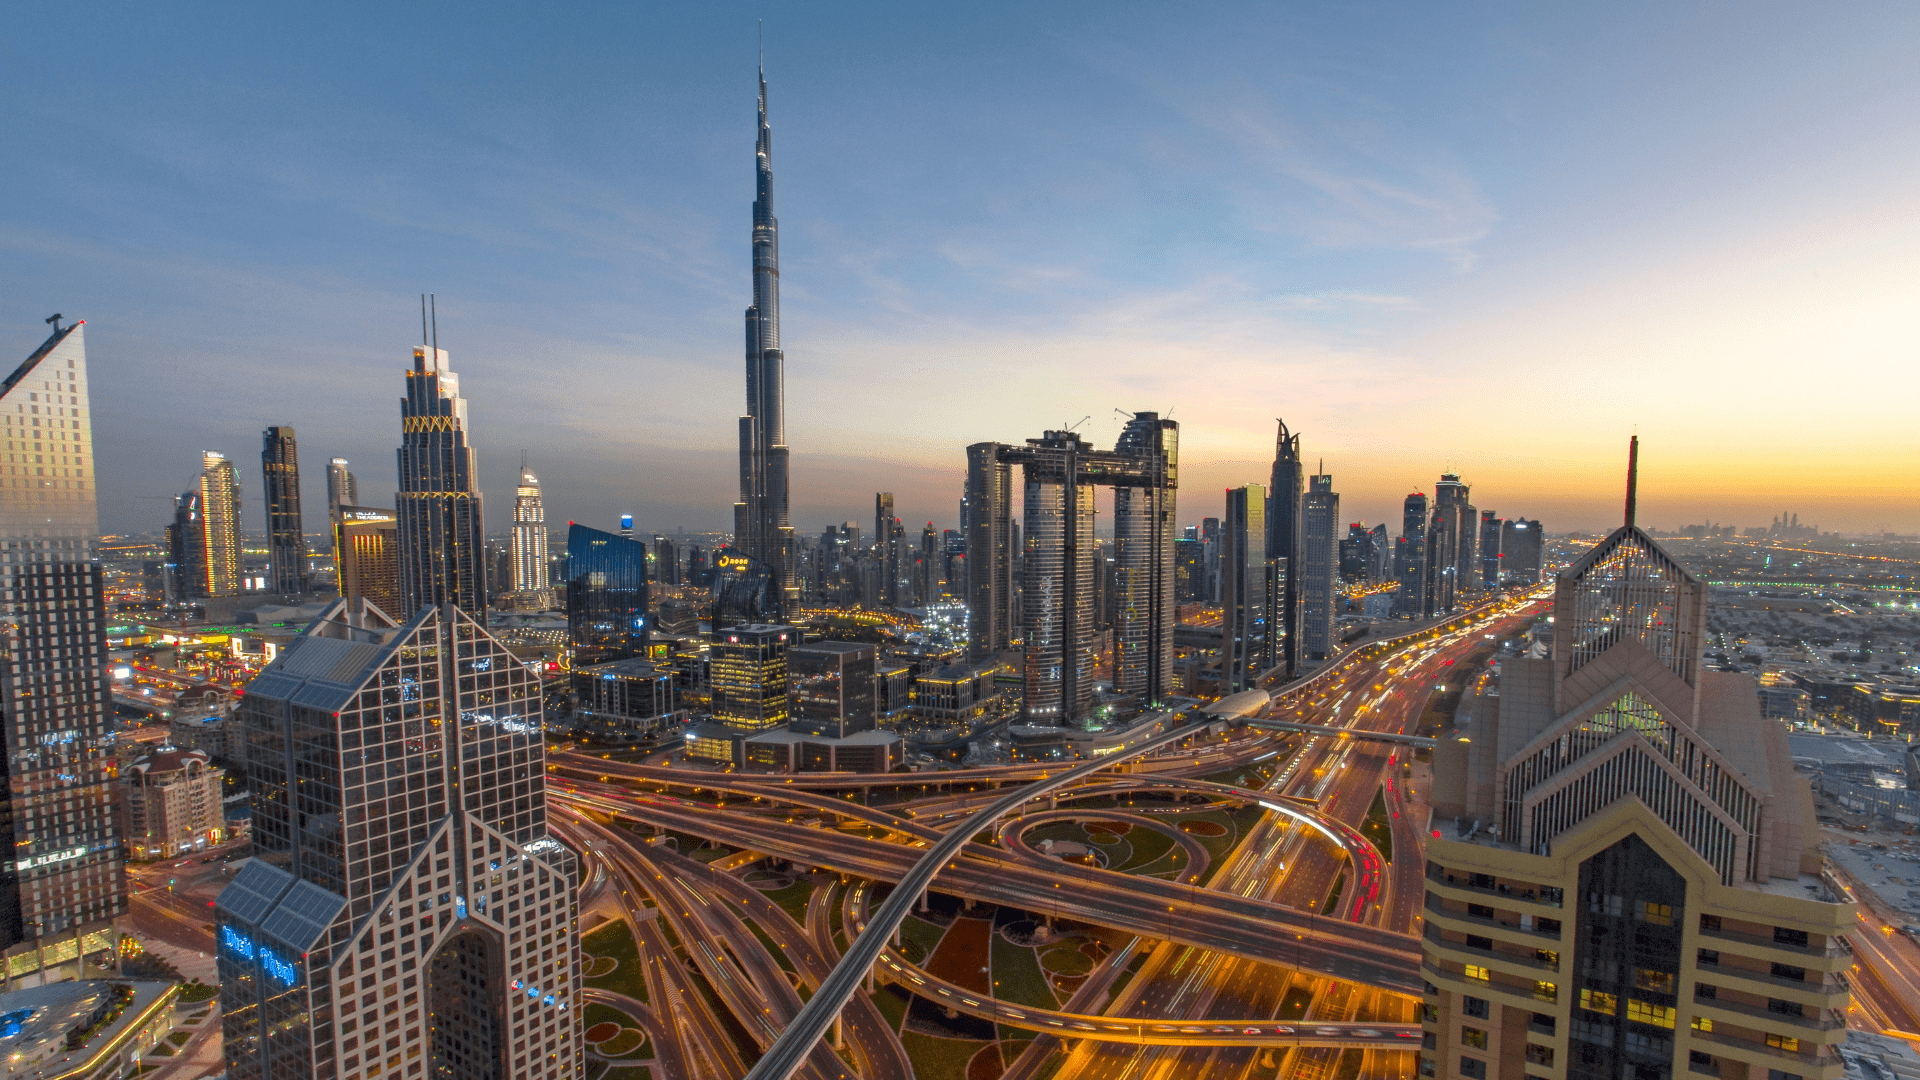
<point>1494,238</point>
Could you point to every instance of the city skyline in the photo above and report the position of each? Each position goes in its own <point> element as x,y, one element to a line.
<point>1386,260</point>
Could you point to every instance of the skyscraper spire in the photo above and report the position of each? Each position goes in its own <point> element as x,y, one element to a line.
<point>761,526</point>
<point>1633,476</point>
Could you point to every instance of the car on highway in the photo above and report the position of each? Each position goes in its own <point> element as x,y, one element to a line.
<point>1326,1031</point>
<point>1367,1033</point>
<point>1283,1030</point>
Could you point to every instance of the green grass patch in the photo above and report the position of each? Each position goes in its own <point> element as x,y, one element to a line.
<point>1017,976</point>
<point>1333,898</point>
<point>179,1038</point>
<point>892,1002</point>
<point>918,938</point>
<point>1294,1005</point>
<point>779,954</point>
<point>614,941</point>
<point>1150,848</point>
<point>794,899</point>
<point>630,1043</point>
<point>1378,827</point>
<point>938,1059</point>
<point>1066,960</point>
<point>163,1050</point>
<point>1013,1043</point>
<point>197,991</point>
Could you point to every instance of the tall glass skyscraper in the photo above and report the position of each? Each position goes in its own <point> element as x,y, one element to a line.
<point>1144,531</point>
<point>220,511</point>
<point>286,544</point>
<point>761,527</point>
<point>1410,558</point>
<point>1319,567</point>
<point>528,545</point>
<point>606,585</point>
<point>1246,590</point>
<point>1283,539</point>
<point>64,881</point>
<point>407,915</point>
<point>441,561</point>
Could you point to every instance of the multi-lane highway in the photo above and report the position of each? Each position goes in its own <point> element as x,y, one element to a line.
<point>1245,948</point>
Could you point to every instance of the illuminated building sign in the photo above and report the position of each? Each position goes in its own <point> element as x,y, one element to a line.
<point>51,857</point>
<point>236,943</point>
<point>282,971</point>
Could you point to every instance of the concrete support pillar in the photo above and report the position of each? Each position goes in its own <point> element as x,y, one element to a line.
<point>838,1040</point>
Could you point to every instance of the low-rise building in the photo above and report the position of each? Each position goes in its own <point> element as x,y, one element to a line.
<point>170,804</point>
<point>91,1030</point>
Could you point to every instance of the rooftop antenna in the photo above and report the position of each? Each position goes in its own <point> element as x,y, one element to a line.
<point>423,320</point>
<point>1633,475</point>
<point>55,320</point>
<point>763,46</point>
<point>434,307</point>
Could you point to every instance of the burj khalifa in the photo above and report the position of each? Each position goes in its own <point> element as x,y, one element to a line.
<point>762,529</point>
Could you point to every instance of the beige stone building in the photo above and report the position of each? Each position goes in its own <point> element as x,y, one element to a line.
<point>170,804</point>
<point>1633,889</point>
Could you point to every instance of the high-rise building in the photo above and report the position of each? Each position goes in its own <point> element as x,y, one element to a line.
<point>528,543</point>
<point>990,595</point>
<point>1490,550</point>
<point>1144,605</point>
<point>666,561</point>
<point>219,493</point>
<point>1410,558</point>
<point>1442,584</point>
<point>1320,594</point>
<point>1057,568</point>
<point>748,674</point>
<point>63,882</point>
<point>833,688</point>
<point>1189,570</point>
<point>927,572</point>
<point>1379,554</point>
<point>1634,887</point>
<point>1247,590</point>
<point>1462,540</point>
<point>366,556</point>
<point>761,528</point>
<point>1057,603</point>
<point>1283,540</point>
<point>187,547</point>
<point>607,615</point>
<point>403,870</point>
<point>286,543</point>
<point>1520,550</point>
<point>342,488</point>
<point>886,547</point>
<point>1210,542</point>
<point>1356,552</point>
<point>442,546</point>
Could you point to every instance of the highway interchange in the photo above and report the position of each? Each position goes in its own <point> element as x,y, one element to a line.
<point>1237,973</point>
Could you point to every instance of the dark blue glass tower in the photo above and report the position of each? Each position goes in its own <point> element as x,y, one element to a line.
<point>607,617</point>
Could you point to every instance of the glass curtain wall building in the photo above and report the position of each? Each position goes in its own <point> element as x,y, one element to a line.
<point>1246,590</point>
<point>607,616</point>
<point>1145,531</point>
<point>286,543</point>
<point>64,883</point>
<point>748,674</point>
<point>407,914</point>
<point>1283,538</point>
<point>438,504</point>
<point>1319,567</point>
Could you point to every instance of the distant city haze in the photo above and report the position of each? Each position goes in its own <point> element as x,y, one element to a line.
<point>1493,241</point>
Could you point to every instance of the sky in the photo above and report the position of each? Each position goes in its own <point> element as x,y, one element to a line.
<point>1495,239</point>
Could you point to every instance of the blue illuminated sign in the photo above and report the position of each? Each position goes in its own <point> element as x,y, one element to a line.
<point>282,971</point>
<point>236,942</point>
